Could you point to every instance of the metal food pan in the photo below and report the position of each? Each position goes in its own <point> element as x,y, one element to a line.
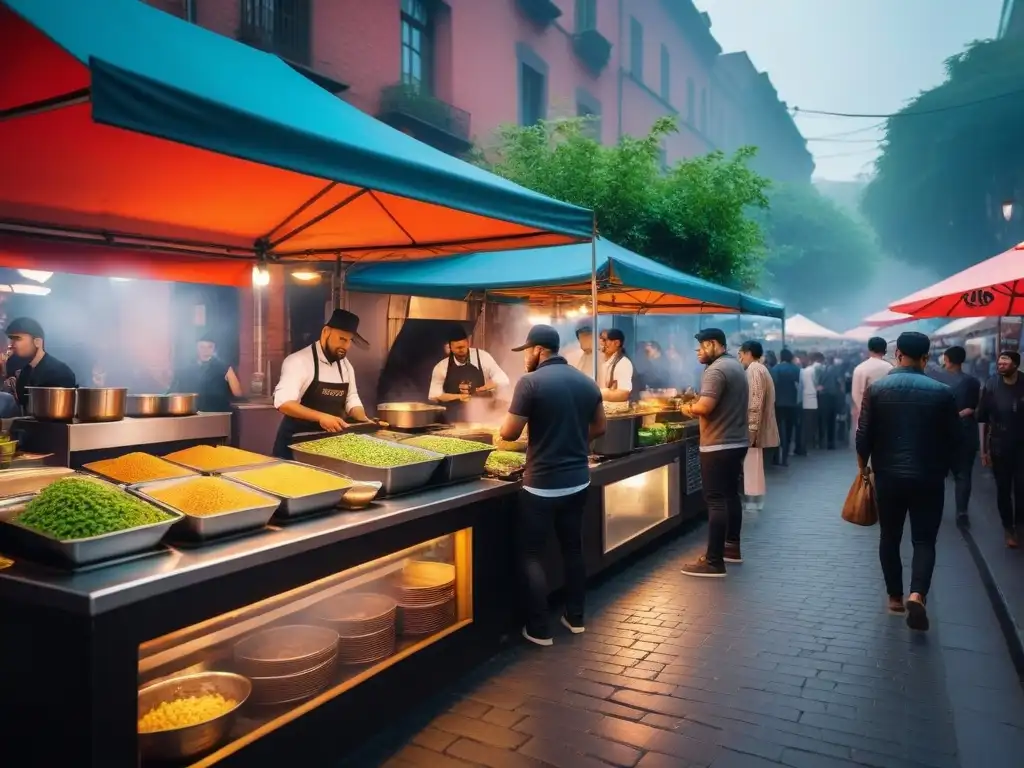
<point>393,480</point>
<point>297,506</point>
<point>210,526</point>
<point>460,466</point>
<point>94,549</point>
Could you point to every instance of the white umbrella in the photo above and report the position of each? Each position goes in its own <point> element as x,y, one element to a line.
<point>861,333</point>
<point>885,318</point>
<point>800,327</point>
<point>965,325</point>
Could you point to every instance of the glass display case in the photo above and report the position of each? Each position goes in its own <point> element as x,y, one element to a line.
<point>638,503</point>
<point>209,689</point>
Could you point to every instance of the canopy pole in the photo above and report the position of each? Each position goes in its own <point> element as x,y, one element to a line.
<point>783,330</point>
<point>593,297</point>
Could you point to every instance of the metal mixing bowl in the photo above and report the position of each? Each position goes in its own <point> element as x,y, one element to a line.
<point>183,743</point>
<point>94,404</point>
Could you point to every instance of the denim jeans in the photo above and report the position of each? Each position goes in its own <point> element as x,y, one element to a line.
<point>923,501</point>
<point>535,518</point>
<point>1008,469</point>
<point>963,469</point>
<point>786,417</point>
<point>721,473</point>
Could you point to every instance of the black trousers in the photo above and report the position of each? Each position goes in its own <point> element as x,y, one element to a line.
<point>786,416</point>
<point>807,438</point>
<point>721,473</point>
<point>1008,469</point>
<point>922,500</point>
<point>536,516</point>
<point>828,410</point>
<point>963,469</point>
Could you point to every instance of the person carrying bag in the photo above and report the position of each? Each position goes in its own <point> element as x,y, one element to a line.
<point>861,506</point>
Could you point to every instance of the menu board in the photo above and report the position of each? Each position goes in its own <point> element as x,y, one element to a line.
<point>693,481</point>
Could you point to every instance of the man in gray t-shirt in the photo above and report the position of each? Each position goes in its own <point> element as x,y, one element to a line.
<point>724,439</point>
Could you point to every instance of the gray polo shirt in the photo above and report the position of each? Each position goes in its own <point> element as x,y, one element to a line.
<point>725,427</point>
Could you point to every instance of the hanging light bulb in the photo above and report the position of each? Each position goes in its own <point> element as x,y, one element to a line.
<point>260,277</point>
<point>1007,210</point>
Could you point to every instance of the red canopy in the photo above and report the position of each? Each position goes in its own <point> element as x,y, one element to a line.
<point>993,288</point>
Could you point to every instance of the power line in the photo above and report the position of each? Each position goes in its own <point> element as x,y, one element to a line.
<point>854,153</point>
<point>854,132</point>
<point>910,113</point>
<point>843,141</point>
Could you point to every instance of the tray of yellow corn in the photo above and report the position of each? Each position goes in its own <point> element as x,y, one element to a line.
<point>303,489</point>
<point>211,506</point>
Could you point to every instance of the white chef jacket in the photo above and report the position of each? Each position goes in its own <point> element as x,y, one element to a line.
<point>297,375</point>
<point>623,373</point>
<point>864,375</point>
<point>491,371</point>
<point>809,387</point>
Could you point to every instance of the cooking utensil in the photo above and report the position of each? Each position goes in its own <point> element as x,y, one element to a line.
<point>143,406</point>
<point>393,480</point>
<point>51,403</point>
<point>209,526</point>
<point>283,651</point>
<point>620,437</point>
<point>410,415</point>
<point>358,613</point>
<point>181,404</point>
<point>182,743</point>
<point>98,404</point>
<point>284,689</point>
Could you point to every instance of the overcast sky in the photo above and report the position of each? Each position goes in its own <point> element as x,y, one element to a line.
<point>854,56</point>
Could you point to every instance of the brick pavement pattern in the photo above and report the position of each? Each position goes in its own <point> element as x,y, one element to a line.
<point>791,660</point>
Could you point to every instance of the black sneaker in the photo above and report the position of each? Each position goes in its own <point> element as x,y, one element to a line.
<point>538,639</point>
<point>573,625</point>
<point>732,552</point>
<point>917,615</point>
<point>704,569</point>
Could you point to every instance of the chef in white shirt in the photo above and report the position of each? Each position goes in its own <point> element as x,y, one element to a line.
<point>614,370</point>
<point>467,373</point>
<point>317,389</point>
<point>583,359</point>
<point>867,373</point>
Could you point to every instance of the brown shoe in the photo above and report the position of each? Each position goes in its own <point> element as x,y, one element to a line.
<point>896,605</point>
<point>732,552</point>
<point>1011,539</point>
<point>917,616</point>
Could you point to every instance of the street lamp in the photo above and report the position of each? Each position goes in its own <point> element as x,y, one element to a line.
<point>1007,210</point>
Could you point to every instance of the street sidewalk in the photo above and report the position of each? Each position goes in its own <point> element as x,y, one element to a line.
<point>790,661</point>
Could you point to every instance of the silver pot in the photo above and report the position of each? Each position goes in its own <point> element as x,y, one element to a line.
<point>140,406</point>
<point>181,404</point>
<point>409,415</point>
<point>620,437</point>
<point>94,404</point>
<point>51,403</point>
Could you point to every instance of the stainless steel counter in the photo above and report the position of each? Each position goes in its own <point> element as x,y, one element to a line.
<point>104,589</point>
<point>63,439</point>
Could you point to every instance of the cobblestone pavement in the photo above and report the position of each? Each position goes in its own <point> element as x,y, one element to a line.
<point>791,660</point>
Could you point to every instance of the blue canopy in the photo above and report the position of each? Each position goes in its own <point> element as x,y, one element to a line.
<point>124,124</point>
<point>627,283</point>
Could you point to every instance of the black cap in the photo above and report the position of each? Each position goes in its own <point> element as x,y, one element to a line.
<point>913,344</point>
<point>585,328</point>
<point>615,334</point>
<point>343,320</point>
<point>541,336</point>
<point>457,332</point>
<point>711,334</point>
<point>25,325</point>
<point>206,337</point>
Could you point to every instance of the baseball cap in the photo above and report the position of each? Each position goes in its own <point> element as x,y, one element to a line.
<point>25,325</point>
<point>540,336</point>
<point>711,334</point>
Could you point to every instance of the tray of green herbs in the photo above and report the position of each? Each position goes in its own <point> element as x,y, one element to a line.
<point>398,468</point>
<point>463,459</point>
<point>507,465</point>
<point>84,520</point>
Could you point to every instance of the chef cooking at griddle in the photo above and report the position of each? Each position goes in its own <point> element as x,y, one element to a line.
<point>467,374</point>
<point>317,388</point>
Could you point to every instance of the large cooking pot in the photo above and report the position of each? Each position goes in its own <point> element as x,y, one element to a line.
<point>182,404</point>
<point>51,403</point>
<point>176,404</point>
<point>94,404</point>
<point>409,415</point>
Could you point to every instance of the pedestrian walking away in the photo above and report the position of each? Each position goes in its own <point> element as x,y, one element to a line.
<point>909,431</point>
<point>1001,414</point>
<point>967,391</point>
<point>868,372</point>
<point>724,439</point>
<point>563,411</point>
<point>809,378</point>
<point>761,423</point>
<point>786,376</point>
<point>831,397</point>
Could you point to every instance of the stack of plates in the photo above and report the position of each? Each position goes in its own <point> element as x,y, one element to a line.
<point>426,596</point>
<point>287,664</point>
<point>366,623</point>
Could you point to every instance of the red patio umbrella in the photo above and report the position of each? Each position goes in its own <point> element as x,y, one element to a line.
<point>993,288</point>
<point>885,319</point>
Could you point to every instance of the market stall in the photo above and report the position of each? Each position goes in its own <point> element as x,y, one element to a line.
<point>150,567</point>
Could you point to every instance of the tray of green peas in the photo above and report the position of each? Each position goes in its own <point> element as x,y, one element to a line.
<point>398,468</point>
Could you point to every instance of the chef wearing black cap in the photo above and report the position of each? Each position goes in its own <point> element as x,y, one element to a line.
<point>42,370</point>
<point>466,373</point>
<point>317,389</point>
<point>615,371</point>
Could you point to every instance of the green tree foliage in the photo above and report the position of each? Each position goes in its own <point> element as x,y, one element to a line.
<point>692,217</point>
<point>817,253</point>
<point>949,159</point>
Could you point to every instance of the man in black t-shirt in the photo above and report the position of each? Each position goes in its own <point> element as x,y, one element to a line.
<point>563,409</point>
<point>967,391</point>
<point>43,370</point>
<point>1001,414</point>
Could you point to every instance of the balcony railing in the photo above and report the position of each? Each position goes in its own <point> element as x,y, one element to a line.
<point>402,103</point>
<point>281,27</point>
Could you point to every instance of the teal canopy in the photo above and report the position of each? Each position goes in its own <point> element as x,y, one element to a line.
<point>627,283</point>
<point>127,125</point>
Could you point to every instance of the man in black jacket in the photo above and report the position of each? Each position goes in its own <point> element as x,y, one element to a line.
<point>909,431</point>
<point>787,403</point>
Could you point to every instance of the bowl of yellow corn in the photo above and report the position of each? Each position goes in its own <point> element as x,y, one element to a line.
<point>186,716</point>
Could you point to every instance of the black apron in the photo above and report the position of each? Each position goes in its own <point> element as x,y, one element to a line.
<point>326,398</point>
<point>611,372</point>
<point>454,378</point>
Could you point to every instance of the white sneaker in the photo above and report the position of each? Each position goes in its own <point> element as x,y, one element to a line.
<point>544,642</point>
<point>575,629</point>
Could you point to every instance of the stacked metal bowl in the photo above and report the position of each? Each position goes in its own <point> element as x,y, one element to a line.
<point>426,596</point>
<point>366,623</point>
<point>288,664</point>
